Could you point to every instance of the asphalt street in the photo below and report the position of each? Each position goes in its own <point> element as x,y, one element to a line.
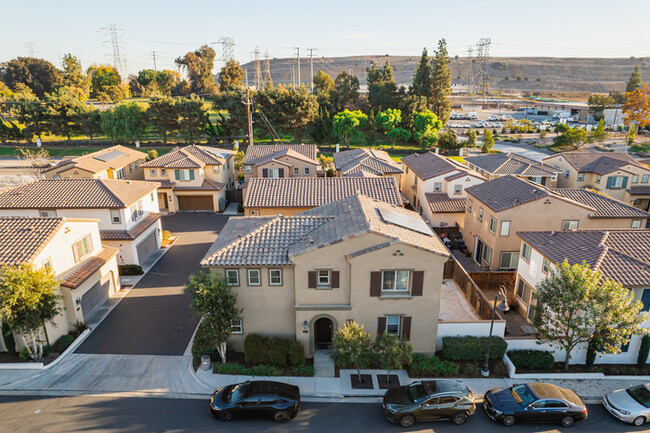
<point>22,414</point>
<point>155,317</point>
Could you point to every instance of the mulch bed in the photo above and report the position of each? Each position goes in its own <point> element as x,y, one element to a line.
<point>366,381</point>
<point>6,357</point>
<point>385,384</point>
<point>606,369</point>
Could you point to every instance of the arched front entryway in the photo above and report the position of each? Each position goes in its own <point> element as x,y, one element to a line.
<point>323,333</point>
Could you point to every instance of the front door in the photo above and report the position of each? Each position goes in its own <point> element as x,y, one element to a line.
<point>324,332</point>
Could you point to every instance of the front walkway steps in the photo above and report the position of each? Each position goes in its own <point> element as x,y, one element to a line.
<point>323,364</point>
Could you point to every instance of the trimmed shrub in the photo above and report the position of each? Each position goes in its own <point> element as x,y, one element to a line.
<point>295,354</point>
<point>471,369</point>
<point>129,270</point>
<point>422,365</point>
<point>204,344</point>
<point>303,370</point>
<point>265,370</point>
<point>260,349</point>
<point>470,348</point>
<point>62,343</point>
<point>644,349</point>
<point>592,351</point>
<point>166,234</point>
<point>532,359</point>
<point>230,368</point>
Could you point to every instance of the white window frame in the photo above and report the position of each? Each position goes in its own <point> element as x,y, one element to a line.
<point>437,187</point>
<point>597,179</point>
<point>394,321</point>
<point>581,177</point>
<point>83,248</point>
<point>236,277</point>
<point>307,171</point>
<point>395,280</point>
<point>526,251</point>
<point>215,169</point>
<point>163,172</point>
<point>569,225</point>
<point>153,172</point>
<point>296,171</point>
<point>514,256</point>
<point>492,225</point>
<point>567,172</point>
<point>480,214</point>
<point>47,213</point>
<point>116,216</point>
<point>536,179</point>
<point>248,169</point>
<point>47,264</point>
<point>237,326</point>
<point>636,224</point>
<point>135,165</point>
<point>326,276</point>
<point>546,265</point>
<point>469,205</point>
<point>274,173</point>
<point>484,255</point>
<point>645,178</point>
<point>184,175</point>
<point>279,271</point>
<point>249,272</point>
<point>617,182</point>
<point>505,228</point>
<point>635,178</point>
<point>458,189</point>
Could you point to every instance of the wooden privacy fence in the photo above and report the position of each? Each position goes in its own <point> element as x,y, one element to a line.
<point>489,282</point>
<point>472,292</point>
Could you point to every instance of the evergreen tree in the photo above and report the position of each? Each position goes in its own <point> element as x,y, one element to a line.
<point>346,91</point>
<point>231,76</point>
<point>382,89</point>
<point>422,80</point>
<point>634,82</point>
<point>441,79</point>
<point>74,76</point>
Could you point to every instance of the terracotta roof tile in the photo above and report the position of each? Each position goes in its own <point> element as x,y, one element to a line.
<point>439,202</point>
<point>506,192</point>
<point>112,157</point>
<point>606,207</point>
<point>259,152</point>
<point>207,185</point>
<point>596,162</point>
<point>376,161</point>
<point>89,267</point>
<point>511,163</point>
<point>192,157</point>
<point>639,190</point>
<point>22,238</point>
<point>134,232</point>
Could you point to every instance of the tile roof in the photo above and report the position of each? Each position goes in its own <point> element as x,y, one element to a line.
<point>315,191</point>
<point>259,153</point>
<point>207,185</point>
<point>362,172</point>
<point>192,157</point>
<point>76,194</point>
<point>639,190</point>
<point>261,241</point>
<point>463,174</point>
<point>112,157</point>
<point>439,202</point>
<point>595,162</point>
<point>22,238</point>
<point>511,163</point>
<point>428,165</point>
<point>506,192</point>
<point>134,232</point>
<point>89,267</point>
<point>374,161</point>
<point>622,255</point>
<point>606,207</point>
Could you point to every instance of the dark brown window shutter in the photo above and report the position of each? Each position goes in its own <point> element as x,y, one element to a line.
<point>265,172</point>
<point>418,281</point>
<point>312,279</point>
<point>281,172</point>
<point>406,328</point>
<point>381,325</point>
<point>335,279</point>
<point>375,284</point>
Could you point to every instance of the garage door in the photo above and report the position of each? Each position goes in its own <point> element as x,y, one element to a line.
<point>195,202</point>
<point>96,296</point>
<point>146,247</point>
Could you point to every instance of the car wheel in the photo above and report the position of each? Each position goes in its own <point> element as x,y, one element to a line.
<point>407,420</point>
<point>638,421</point>
<point>281,416</point>
<point>508,420</point>
<point>225,416</point>
<point>567,421</point>
<point>459,418</point>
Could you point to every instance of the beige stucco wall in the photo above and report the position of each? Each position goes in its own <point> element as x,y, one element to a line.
<point>287,163</point>
<point>270,211</point>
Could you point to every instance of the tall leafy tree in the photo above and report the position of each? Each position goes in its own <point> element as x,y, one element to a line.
<point>393,354</point>
<point>423,78</point>
<point>288,109</point>
<point>637,106</point>
<point>599,134</point>
<point>106,84</point>
<point>352,346</point>
<point>63,111</point>
<point>232,102</point>
<point>598,104</point>
<point>382,89</point>
<point>634,83</point>
<point>193,115</point>
<point>199,65</point>
<point>448,140</point>
<point>425,128</point>
<point>39,75</point>
<point>388,121</point>
<point>323,83</point>
<point>74,76</point>
<point>345,93</point>
<point>347,124</point>
<point>125,122</point>
<point>321,128</point>
<point>164,115</point>
<point>441,77</point>
<point>231,76</point>
<point>488,141</point>
<point>90,122</point>
<point>409,104</point>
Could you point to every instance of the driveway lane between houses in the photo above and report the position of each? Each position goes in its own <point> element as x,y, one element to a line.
<point>155,317</point>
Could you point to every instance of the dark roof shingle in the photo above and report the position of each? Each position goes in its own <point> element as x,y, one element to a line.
<point>266,152</point>
<point>511,163</point>
<point>506,192</point>
<point>428,165</point>
<point>439,202</point>
<point>371,160</point>
<point>606,207</point>
<point>595,162</point>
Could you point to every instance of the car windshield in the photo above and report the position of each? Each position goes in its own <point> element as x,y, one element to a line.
<point>522,395</point>
<point>417,391</point>
<point>237,393</point>
<point>641,394</point>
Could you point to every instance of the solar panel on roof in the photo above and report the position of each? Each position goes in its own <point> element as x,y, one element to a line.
<point>408,222</point>
<point>215,152</point>
<point>109,156</point>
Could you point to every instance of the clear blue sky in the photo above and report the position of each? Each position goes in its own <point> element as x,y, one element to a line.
<point>568,28</point>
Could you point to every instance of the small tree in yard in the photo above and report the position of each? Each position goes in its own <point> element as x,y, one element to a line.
<point>213,299</point>
<point>393,354</point>
<point>472,135</point>
<point>35,161</point>
<point>347,124</point>
<point>151,155</point>
<point>28,302</point>
<point>325,162</point>
<point>352,346</point>
<point>579,305</point>
<point>488,141</point>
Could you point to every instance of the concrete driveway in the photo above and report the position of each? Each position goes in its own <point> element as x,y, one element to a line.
<point>155,317</point>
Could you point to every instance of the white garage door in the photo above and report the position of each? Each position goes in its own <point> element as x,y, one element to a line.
<point>146,248</point>
<point>96,296</point>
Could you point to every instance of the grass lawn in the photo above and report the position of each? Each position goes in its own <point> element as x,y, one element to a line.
<point>58,151</point>
<point>457,158</point>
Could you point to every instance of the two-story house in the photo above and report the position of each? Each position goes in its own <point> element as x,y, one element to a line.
<point>371,162</point>
<point>127,210</point>
<point>435,186</point>
<point>289,196</point>
<point>70,248</point>
<point>193,178</point>
<point>499,208</point>
<point>356,259</point>
<point>621,255</point>
<point>610,173</point>
<point>494,165</point>
<point>280,160</point>
<point>116,162</point>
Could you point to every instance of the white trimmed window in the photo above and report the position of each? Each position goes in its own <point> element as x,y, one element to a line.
<point>493,225</point>
<point>323,278</point>
<point>82,248</point>
<point>248,169</point>
<point>232,277</point>
<point>136,211</point>
<point>597,179</point>
<point>437,187</point>
<point>184,174</point>
<point>469,205</point>
<point>505,228</point>
<point>116,217</point>
<point>296,171</point>
<point>545,266</point>
<point>570,225</point>
<point>487,255</point>
<point>395,281</point>
<point>275,277</point>
<point>509,260</point>
<point>635,178</point>
<point>480,214</point>
<point>307,171</point>
<point>645,178</point>
<point>215,169</point>
<point>525,251</point>
<point>392,325</point>
<point>458,189</point>
<point>48,213</point>
<point>237,326</point>
<point>254,277</point>
<point>152,172</point>
<point>581,176</point>
<point>636,224</point>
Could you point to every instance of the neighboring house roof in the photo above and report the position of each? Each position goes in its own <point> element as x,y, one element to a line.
<point>191,157</point>
<point>639,190</point>
<point>506,192</point>
<point>362,172</point>
<point>302,192</point>
<point>595,162</point>
<point>428,165</point>
<point>23,238</point>
<point>606,207</point>
<point>256,241</point>
<point>261,153</point>
<point>134,232</point>
<point>621,255</point>
<point>463,174</point>
<point>440,202</point>
<point>511,163</point>
<point>207,185</point>
<point>75,194</point>
<point>371,160</point>
<point>89,267</point>
<point>112,157</point>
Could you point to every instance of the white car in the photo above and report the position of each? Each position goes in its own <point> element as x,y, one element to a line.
<point>493,118</point>
<point>631,405</point>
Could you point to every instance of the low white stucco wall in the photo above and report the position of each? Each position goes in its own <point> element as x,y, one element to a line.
<point>478,328</point>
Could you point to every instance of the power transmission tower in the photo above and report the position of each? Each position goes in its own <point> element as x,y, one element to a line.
<point>483,59</point>
<point>468,71</point>
<point>298,55</point>
<point>267,68</point>
<point>227,48</point>
<point>153,53</point>
<point>30,48</point>
<point>311,62</point>
<point>258,68</point>
<point>248,113</point>
<point>119,62</point>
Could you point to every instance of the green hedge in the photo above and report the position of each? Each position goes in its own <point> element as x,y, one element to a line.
<point>129,270</point>
<point>303,370</point>
<point>470,348</point>
<point>422,365</point>
<point>260,349</point>
<point>529,359</point>
<point>62,343</point>
<point>238,369</point>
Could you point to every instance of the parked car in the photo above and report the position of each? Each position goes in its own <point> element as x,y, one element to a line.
<point>631,405</point>
<point>428,401</point>
<point>259,398</point>
<point>493,118</point>
<point>534,402</point>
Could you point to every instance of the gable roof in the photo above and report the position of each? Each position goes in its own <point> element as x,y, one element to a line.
<point>606,207</point>
<point>261,153</point>
<point>506,192</point>
<point>622,255</point>
<point>370,160</point>
<point>23,238</point>
<point>427,165</point>
<point>260,241</point>
<point>511,163</point>
<point>304,192</point>
<point>440,202</point>
<point>192,156</point>
<point>112,157</point>
<point>595,162</point>
<point>75,194</point>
